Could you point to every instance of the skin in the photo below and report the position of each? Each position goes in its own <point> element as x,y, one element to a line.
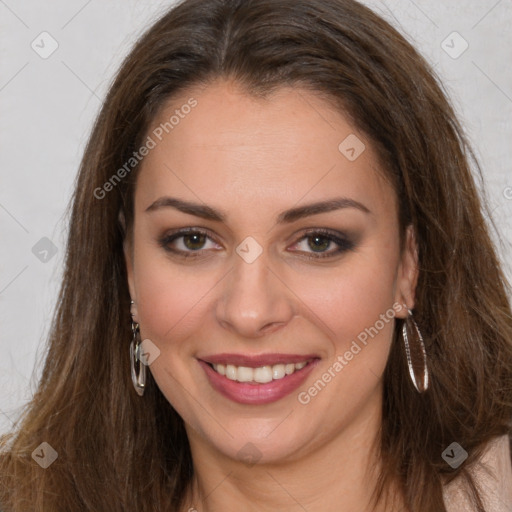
<point>252,159</point>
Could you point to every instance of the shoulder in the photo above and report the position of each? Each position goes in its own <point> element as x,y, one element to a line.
<point>493,475</point>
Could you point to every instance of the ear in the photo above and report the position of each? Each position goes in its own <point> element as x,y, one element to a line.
<point>407,276</point>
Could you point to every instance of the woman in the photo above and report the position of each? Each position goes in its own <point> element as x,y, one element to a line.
<point>279,194</point>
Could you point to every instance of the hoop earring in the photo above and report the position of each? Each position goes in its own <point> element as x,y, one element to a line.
<point>138,369</point>
<point>416,354</point>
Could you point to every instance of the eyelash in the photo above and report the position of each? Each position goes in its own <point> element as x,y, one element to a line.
<point>344,243</point>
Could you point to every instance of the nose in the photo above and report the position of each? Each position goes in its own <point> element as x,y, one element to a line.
<point>255,300</point>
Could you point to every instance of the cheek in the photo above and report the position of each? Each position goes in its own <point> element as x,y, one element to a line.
<point>366,294</point>
<point>356,306</point>
<point>171,299</point>
<point>352,298</point>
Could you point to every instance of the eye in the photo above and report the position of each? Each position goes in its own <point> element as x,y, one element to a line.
<point>319,240</point>
<point>191,242</point>
<point>188,243</point>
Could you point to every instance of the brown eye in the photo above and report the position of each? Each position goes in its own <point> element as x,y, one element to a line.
<point>194,241</point>
<point>316,244</point>
<point>189,243</point>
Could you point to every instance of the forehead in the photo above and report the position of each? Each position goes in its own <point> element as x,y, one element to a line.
<point>231,148</point>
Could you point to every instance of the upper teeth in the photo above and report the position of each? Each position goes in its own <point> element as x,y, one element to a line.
<point>262,374</point>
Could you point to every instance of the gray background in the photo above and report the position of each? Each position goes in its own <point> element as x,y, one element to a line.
<point>48,105</point>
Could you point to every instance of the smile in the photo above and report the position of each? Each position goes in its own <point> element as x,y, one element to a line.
<point>260,375</point>
<point>255,384</point>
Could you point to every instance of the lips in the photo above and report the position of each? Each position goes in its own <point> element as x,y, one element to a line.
<point>253,393</point>
<point>257,361</point>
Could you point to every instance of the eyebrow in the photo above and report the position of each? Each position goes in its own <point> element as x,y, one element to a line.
<point>286,217</point>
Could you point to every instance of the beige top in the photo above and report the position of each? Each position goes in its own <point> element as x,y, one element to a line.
<point>496,488</point>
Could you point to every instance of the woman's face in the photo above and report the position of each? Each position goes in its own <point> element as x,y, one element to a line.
<point>267,270</point>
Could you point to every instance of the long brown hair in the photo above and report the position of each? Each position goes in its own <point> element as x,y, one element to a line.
<point>117,451</point>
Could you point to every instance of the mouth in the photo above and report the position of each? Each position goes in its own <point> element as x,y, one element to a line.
<point>251,382</point>
<point>260,374</point>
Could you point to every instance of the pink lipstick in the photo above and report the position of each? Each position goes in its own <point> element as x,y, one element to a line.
<point>259,379</point>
